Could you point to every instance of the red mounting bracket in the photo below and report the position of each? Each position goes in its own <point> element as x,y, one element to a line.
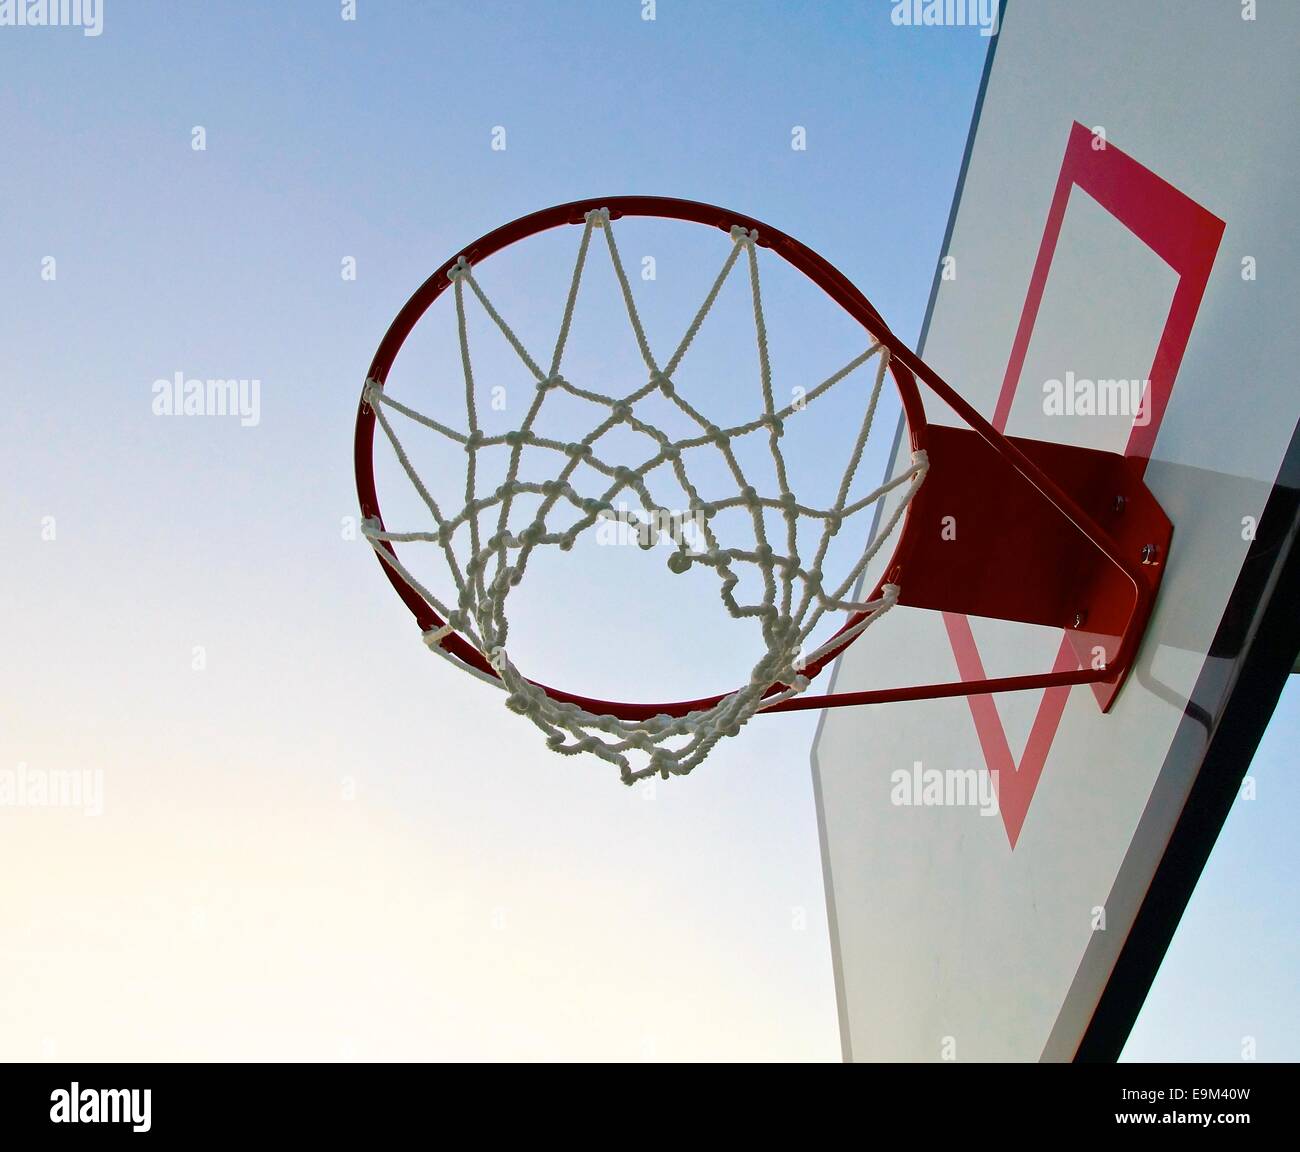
<point>1024,530</point>
<point>988,544</point>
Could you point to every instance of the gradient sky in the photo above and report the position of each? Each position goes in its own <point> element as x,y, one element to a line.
<point>325,843</point>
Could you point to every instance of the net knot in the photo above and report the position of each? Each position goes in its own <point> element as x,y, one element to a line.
<point>435,636</point>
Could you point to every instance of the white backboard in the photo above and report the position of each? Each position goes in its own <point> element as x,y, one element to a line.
<point>1119,152</point>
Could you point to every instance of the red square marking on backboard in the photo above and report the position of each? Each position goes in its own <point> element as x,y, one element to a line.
<point>1186,237</point>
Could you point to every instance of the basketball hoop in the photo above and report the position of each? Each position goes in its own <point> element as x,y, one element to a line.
<point>1052,534</point>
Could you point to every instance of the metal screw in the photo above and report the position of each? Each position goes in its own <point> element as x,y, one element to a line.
<point>1118,506</point>
<point>1149,553</point>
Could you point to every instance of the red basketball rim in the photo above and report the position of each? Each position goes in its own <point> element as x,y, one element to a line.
<point>833,282</point>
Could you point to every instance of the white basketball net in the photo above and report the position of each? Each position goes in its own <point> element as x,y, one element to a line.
<point>794,598</point>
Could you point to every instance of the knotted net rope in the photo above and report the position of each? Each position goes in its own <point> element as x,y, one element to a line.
<point>795,597</point>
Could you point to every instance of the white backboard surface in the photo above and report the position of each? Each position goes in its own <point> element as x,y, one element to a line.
<point>1117,148</point>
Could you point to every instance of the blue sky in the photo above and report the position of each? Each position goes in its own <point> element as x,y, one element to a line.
<point>321,842</point>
